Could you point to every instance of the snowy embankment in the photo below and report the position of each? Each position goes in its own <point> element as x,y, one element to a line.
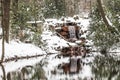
<point>0,30</point>
<point>53,42</point>
<point>19,49</point>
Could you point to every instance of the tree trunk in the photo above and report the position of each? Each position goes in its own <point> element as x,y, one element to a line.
<point>3,32</point>
<point>102,13</point>
<point>3,71</point>
<point>6,16</point>
<point>5,8</point>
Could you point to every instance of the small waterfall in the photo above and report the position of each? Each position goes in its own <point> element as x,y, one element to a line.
<point>72,31</point>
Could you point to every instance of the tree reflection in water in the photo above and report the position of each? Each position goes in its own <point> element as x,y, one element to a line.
<point>72,67</point>
<point>106,68</point>
<point>26,73</point>
<point>3,71</point>
<point>103,68</point>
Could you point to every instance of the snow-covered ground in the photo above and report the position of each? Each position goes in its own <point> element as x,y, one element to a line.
<point>53,42</point>
<point>15,48</point>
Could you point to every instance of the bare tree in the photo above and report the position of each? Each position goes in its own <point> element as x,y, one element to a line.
<point>102,13</point>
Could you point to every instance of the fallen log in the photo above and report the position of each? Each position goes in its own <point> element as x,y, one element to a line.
<point>16,58</point>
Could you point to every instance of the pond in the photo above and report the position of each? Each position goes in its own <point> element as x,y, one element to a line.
<point>53,67</point>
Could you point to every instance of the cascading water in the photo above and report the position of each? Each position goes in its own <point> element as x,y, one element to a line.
<point>71,30</point>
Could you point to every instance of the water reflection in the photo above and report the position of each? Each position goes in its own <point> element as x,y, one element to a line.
<point>28,72</point>
<point>72,67</point>
<point>103,68</point>
<point>3,77</point>
<point>106,68</point>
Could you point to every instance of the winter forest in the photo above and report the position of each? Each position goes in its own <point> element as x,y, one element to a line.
<point>59,39</point>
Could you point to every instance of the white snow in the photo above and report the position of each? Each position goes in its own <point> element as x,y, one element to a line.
<point>86,72</point>
<point>13,66</point>
<point>53,41</point>
<point>20,49</point>
<point>34,22</point>
<point>51,21</point>
<point>0,30</point>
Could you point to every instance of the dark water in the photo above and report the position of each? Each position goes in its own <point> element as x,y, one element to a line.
<point>72,68</point>
<point>28,72</point>
<point>106,68</point>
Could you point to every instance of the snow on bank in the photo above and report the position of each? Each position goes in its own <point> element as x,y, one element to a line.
<point>53,42</point>
<point>20,49</point>
<point>0,30</point>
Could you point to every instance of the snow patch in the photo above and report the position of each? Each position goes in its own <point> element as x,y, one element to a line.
<point>0,31</point>
<point>20,49</point>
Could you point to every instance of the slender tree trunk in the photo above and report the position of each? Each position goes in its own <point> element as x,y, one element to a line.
<point>3,71</point>
<point>3,46</point>
<point>5,8</point>
<point>112,29</point>
<point>102,13</point>
<point>6,16</point>
<point>3,34</point>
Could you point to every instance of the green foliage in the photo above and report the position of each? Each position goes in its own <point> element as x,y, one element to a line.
<point>28,72</point>
<point>21,16</point>
<point>103,37</point>
<point>113,7</point>
<point>106,68</point>
<point>37,39</point>
<point>54,8</point>
<point>39,73</point>
<point>26,11</point>
<point>34,10</point>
